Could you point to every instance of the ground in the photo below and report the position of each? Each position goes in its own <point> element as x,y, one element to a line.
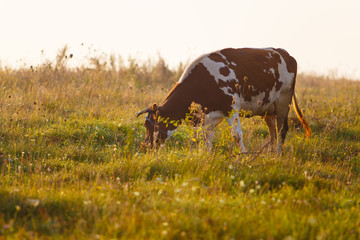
<point>71,164</point>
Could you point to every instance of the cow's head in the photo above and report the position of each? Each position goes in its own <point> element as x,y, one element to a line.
<point>155,132</point>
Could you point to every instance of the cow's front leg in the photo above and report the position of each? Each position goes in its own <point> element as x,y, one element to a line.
<point>212,119</point>
<point>234,122</point>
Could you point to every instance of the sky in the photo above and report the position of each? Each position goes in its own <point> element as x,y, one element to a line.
<point>322,35</point>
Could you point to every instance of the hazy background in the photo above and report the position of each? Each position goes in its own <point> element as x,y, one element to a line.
<point>323,35</point>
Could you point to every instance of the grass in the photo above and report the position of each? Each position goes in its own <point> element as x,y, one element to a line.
<point>71,164</point>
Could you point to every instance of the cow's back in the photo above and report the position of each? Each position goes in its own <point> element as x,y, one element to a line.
<point>252,78</point>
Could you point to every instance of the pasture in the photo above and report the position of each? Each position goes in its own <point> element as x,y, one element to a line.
<point>71,166</point>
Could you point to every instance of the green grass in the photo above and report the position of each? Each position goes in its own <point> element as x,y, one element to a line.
<point>71,165</point>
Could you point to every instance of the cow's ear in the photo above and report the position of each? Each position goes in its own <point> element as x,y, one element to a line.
<point>154,107</point>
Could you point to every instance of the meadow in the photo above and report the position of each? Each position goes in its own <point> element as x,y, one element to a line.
<point>71,166</point>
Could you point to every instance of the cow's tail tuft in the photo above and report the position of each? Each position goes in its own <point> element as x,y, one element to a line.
<point>301,118</point>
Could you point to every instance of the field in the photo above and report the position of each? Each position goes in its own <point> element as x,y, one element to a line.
<point>71,166</point>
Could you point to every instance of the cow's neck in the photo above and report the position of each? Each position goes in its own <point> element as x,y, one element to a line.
<point>175,108</point>
<point>171,112</point>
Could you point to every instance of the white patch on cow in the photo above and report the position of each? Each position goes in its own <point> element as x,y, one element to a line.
<point>169,133</point>
<point>223,57</point>
<point>234,64</point>
<point>213,118</point>
<point>214,70</point>
<point>286,77</point>
<point>216,114</point>
<point>271,70</point>
<point>227,90</point>
<point>191,67</point>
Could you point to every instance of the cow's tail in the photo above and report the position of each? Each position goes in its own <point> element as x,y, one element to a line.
<point>301,117</point>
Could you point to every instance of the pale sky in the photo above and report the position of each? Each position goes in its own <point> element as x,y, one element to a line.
<point>323,35</point>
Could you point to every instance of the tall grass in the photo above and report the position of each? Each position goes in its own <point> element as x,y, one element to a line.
<point>71,165</point>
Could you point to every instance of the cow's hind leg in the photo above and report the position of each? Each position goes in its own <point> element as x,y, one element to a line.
<point>282,125</point>
<point>234,122</point>
<point>270,122</point>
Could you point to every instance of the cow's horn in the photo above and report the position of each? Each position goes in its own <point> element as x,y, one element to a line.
<point>143,111</point>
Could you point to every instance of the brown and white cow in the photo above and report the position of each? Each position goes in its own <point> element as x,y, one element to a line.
<point>260,82</point>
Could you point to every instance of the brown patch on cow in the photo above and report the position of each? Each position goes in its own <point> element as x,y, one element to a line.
<point>199,87</point>
<point>216,57</point>
<point>224,71</point>
<point>278,85</point>
<point>291,63</point>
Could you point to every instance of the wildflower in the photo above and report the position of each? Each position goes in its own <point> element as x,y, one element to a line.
<point>32,202</point>
<point>312,220</point>
<point>242,183</point>
<point>136,193</point>
<point>251,190</point>
<point>289,238</point>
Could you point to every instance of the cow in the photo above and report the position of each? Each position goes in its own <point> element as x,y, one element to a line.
<point>231,83</point>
